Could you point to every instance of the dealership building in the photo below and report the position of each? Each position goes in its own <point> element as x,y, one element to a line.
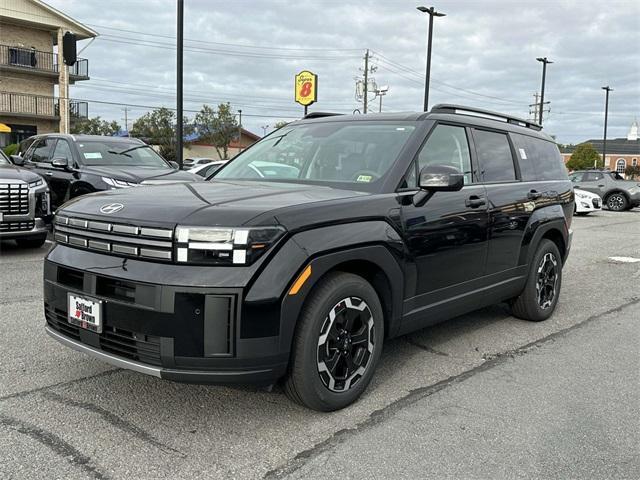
<point>621,152</point>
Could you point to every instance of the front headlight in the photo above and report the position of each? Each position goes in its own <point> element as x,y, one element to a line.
<point>224,246</point>
<point>36,183</point>
<point>581,195</point>
<point>119,183</point>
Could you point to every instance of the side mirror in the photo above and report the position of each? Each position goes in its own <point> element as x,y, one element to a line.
<point>60,162</point>
<point>17,160</point>
<point>174,164</point>
<point>441,178</point>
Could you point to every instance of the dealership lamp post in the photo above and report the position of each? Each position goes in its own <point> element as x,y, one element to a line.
<point>180,42</point>
<point>544,61</point>
<point>432,13</point>
<point>606,117</point>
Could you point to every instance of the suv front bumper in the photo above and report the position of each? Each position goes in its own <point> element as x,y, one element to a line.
<point>160,320</point>
<point>10,228</point>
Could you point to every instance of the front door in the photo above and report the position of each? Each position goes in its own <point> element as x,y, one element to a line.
<point>593,182</point>
<point>447,236</point>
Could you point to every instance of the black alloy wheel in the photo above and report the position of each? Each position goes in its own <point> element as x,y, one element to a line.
<point>547,280</point>
<point>337,343</point>
<point>345,344</point>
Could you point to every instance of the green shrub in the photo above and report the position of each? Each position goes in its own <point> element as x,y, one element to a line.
<point>11,149</point>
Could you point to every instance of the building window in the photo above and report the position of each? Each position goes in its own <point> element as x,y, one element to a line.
<point>634,162</point>
<point>621,164</point>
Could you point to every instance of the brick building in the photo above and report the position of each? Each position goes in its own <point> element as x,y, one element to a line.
<point>31,69</point>
<point>621,152</point>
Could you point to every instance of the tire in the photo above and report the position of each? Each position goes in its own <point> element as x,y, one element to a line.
<point>314,380</point>
<point>31,242</point>
<point>617,202</point>
<point>530,305</point>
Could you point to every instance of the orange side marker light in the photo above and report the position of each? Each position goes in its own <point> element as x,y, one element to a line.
<point>303,277</point>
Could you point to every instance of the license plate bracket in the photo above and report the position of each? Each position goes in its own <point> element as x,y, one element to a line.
<point>84,312</point>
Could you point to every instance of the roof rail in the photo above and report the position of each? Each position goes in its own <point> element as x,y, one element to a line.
<point>479,112</point>
<point>321,114</point>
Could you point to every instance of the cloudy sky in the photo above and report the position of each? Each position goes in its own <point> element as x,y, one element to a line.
<point>247,53</point>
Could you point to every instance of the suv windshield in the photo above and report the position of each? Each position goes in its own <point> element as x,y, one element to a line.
<point>355,153</point>
<point>120,153</point>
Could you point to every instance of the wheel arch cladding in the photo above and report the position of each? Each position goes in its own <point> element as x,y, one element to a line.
<point>548,222</point>
<point>363,248</point>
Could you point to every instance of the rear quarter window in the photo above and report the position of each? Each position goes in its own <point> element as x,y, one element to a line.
<point>538,159</point>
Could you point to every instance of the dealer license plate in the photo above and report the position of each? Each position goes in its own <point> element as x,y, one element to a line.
<point>85,312</point>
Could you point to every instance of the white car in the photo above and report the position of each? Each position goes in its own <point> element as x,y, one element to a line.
<point>205,170</point>
<point>586,202</point>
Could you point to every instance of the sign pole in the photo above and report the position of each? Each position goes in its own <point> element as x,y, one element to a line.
<point>305,110</point>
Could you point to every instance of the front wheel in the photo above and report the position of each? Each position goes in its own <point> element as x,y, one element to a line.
<point>337,344</point>
<point>617,202</point>
<point>539,298</point>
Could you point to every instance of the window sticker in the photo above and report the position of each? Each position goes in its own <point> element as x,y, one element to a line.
<point>92,155</point>
<point>364,178</point>
<point>523,154</point>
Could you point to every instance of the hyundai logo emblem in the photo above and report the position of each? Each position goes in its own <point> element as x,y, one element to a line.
<point>111,208</point>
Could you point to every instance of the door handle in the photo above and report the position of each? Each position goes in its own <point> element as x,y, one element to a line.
<point>474,201</point>
<point>534,195</point>
<point>601,186</point>
<point>49,173</point>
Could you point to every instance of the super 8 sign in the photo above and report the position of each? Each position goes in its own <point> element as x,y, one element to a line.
<point>306,88</point>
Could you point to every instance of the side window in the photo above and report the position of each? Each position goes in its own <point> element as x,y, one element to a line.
<point>447,145</point>
<point>593,176</point>
<point>539,156</point>
<point>41,152</point>
<point>576,177</point>
<point>494,156</point>
<point>63,150</point>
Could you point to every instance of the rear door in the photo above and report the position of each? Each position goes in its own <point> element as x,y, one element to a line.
<point>509,200</point>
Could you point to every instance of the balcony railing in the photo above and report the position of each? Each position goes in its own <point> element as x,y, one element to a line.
<point>39,106</point>
<point>39,61</point>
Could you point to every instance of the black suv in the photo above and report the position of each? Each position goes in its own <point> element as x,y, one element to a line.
<point>74,165</point>
<point>392,222</point>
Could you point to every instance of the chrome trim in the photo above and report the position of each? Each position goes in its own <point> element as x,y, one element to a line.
<point>80,242</point>
<point>156,232</point>
<point>117,238</point>
<point>124,249</point>
<point>102,226</point>
<point>104,246</point>
<point>146,252</point>
<point>105,357</point>
<point>77,222</point>
<point>126,229</point>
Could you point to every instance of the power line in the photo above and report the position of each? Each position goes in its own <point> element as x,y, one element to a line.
<point>238,45</point>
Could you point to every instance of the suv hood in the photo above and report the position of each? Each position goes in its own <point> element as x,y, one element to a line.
<point>224,203</point>
<point>140,174</point>
<point>12,172</point>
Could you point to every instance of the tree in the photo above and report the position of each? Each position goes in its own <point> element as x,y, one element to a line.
<point>583,157</point>
<point>95,126</point>
<point>159,128</point>
<point>217,128</point>
<point>278,125</point>
<point>632,171</point>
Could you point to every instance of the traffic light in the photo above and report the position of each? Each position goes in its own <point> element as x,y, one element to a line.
<point>69,48</point>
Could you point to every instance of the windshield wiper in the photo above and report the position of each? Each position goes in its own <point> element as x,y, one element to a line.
<point>124,152</point>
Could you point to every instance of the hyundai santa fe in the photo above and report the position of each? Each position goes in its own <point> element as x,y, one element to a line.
<point>391,223</point>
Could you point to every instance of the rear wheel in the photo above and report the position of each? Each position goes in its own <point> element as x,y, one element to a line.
<point>539,298</point>
<point>31,242</point>
<point>337,344</point>
<point>617,202</point>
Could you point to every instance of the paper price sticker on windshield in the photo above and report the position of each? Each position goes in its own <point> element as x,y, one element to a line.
<point>523,154</point>
<point>364,178</point>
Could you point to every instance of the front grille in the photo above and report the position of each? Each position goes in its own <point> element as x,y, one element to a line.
<point>120,239</point>
<point>14,198</point>
<point>17,226</point>
<point>123,343</point>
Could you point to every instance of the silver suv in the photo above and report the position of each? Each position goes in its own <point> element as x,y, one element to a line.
<point>618,194</point>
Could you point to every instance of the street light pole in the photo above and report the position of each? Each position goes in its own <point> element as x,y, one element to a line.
<point>544,76</point>
<point>606,116</point>
<point>432,13</point>
<point>180,42</point>
<point>240,131</point>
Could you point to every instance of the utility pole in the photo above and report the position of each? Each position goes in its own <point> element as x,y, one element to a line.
<point>264,130</point>
<point>180,42</point>
<point>534,108</point>
<point>544,61</point>
<point>126,120</point>
<point>239,131</point>
<point>366,79</point>
<point>606,116</point>
<point>432,13</point>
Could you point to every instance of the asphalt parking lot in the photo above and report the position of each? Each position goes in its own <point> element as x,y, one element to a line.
<point>482,396</point>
